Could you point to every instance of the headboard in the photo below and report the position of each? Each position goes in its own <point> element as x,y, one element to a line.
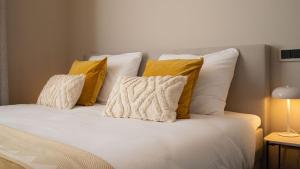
<point>250,88</point>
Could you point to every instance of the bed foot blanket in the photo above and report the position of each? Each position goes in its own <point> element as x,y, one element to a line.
<point>19,150</point>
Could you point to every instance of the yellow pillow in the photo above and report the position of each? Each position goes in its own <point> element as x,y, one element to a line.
<point>190,68</point>
<point>95,72</point>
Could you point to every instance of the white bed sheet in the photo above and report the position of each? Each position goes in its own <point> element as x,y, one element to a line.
<point>202,142</point>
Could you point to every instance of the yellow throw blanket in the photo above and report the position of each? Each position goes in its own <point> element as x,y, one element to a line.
<point>19,150</point>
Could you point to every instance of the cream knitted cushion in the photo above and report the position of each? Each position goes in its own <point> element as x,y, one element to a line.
<point>146,98</point>
<point>62,91</point>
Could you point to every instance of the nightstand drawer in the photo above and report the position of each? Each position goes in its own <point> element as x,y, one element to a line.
<point>274,139</point>
<point>288,141</point>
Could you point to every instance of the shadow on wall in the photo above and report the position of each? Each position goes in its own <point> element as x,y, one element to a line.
<point>84,28</point>
<point>275,68</point>
<point>37,45</point>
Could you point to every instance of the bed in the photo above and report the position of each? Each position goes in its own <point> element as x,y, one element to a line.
<point>232,141</point>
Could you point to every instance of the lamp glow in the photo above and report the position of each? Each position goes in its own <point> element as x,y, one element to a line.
<point>287,93</point>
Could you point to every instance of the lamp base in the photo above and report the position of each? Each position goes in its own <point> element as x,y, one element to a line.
<point>289,134</point>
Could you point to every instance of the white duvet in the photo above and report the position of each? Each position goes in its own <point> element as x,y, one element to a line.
<point>203,142</point>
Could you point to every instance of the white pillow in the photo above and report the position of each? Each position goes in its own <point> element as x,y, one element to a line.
<point>62,91</point>
<point>214,81</point>
<point>147,98</point>
<point>118,66</point>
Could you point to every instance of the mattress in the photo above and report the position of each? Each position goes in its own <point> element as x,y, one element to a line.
<point>204,141</point>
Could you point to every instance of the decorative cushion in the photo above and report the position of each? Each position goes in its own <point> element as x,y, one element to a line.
<point>126,64</point>
<point>188,68</point>
<point>146,98</point>
<point>214,80</point>
<point>95,72</point>
<point>62,91</point>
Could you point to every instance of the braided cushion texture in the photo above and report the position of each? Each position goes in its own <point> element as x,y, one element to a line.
<point>62,91</point>
<point>147,98</point>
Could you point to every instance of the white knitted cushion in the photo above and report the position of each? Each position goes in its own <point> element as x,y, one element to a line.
<point>146,98</point>
<point>62,91</point>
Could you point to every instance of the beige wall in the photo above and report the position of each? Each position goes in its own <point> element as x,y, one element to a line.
<point>108,25</point>
<point>37,45</point>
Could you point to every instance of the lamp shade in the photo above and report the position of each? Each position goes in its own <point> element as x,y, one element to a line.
<point>286,92</point>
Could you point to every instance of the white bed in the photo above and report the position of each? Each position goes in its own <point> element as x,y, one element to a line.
<point>206,142</point>
<point>202,142</point>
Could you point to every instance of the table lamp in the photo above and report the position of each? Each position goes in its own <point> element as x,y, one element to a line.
<point>287,93</point>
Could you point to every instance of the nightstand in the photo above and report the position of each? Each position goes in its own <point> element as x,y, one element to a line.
<point>274,139</point>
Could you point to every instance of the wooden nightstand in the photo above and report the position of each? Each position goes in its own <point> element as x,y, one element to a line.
<point>274,139</point>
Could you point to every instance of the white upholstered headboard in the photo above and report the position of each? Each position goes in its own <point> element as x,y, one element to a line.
<point>250,88</point>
